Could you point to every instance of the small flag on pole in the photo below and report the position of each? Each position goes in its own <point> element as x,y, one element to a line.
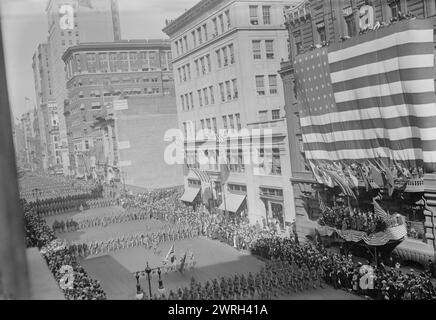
<point>170,254</point>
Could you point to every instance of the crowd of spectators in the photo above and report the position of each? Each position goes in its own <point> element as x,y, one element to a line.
<point>343,272</point>
<point>343,218</point>
<point>39,234</point>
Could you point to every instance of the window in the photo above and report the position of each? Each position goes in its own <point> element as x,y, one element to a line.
<point>225,57</point>
<point>266,14</point>
<point>200,39</point>
<point>232,54</point>
<point>212,97</point>
<point>103,62</point>
<point>192,99</point>
<point>206,97</point>
<point>351,25</point>
<point>260,85</point>
<point>205,32</point>
<point>253,15</point>
<point>188,67</point>
<point>197,68</point>
<point>256,49</point>
<point>263,116</point>
<point>202,124</point>
<point>223,98</point>
<point>229,24</point>
<point>200,99</point>
<point>185,39</point>
<point>203,67</point>
<point>228,90</point>
<point>238,121</point>
<point>221,18</point>
<point>275,114</point>
<point>209,66</point>
<point>187,101</point>
<point>218,58</point>
<point>320,27</point>
<point>235,89</point>
<point>183,102</point>
<point>225,122</point>
<point>276,168</point>
<point>298,42</point>
<point>208,124</point>
<point>395,7</point>
<point>215,27</point>
<point>231,123</point>
<point>269,48</point>
<point>194,38</point>
<point>272,84</point>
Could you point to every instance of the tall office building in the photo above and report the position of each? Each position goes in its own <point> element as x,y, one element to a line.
<point>106,139</point>
<point>43,93</point>
<point>71,22</point>
<point>226,54</point>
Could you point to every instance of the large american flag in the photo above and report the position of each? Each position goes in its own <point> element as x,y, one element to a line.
<point>370,97</point>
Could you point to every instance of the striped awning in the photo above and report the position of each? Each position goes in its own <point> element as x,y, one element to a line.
<point>190,194</point>
<point>232,202</point>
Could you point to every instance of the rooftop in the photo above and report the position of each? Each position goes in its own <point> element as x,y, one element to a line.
<point>138,44</point>
<point>190,15</point>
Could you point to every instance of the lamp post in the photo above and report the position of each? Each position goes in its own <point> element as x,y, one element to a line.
<point>148,271</point>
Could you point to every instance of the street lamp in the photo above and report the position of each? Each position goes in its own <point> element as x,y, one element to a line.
<point>148,271</point>
<point>161,286</point>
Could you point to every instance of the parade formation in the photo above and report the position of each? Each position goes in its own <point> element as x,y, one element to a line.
<point>290,267</point>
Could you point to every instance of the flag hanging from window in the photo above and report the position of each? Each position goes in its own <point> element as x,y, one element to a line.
<point>371,97</point>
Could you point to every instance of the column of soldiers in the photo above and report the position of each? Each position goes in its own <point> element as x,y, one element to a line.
<point>277,278</point>
<point>147,240</point>
<point>72,225</point>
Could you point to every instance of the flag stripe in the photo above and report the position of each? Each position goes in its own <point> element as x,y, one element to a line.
<point>416,86</point>
<point>397,57</point>
<point>415,111</point>
<point>345,124</point>
<point>382,78</point>
<point>372,45</point>
<point>374,153</point>
<point>369,144</point>
<point>427,134</point>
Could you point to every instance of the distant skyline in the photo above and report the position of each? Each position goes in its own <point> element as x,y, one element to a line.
<point>24,26</point>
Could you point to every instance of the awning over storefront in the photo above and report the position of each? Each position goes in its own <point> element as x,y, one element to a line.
<point>190,194</point>
<point>232,202</point>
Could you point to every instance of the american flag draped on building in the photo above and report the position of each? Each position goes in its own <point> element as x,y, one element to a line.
<point>371,97</point>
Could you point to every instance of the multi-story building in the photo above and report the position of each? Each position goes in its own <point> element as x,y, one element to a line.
<point>43,92</point>
<point>309,24</point>
<point>139,74</point>
<point>226,55</point>
<point>71,22</point>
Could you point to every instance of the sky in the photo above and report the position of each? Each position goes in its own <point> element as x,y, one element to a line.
<point>24,26</point>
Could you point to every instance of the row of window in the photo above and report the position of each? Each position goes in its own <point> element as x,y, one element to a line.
<point>201,34</point>
<point>203,65</point>
<point>230,92</point>
<point>116,80</point>
<point>254,15</point>
<point>125,91</point>
<point>120,62</point>
<point>260,84</point>
<point>258,45</point>
<point>230,120</point>
<point>269,164</point>
<point>206,95</point>
<point>224,59</point>
<point>263,115</point>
